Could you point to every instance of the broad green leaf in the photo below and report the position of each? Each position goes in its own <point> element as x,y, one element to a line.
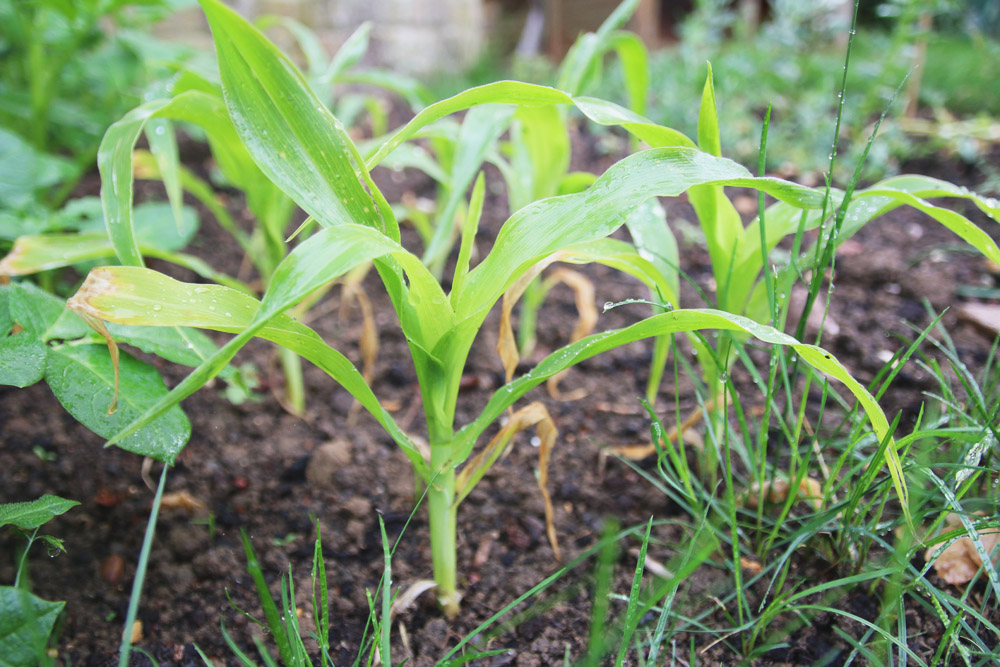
<point>32,514</point>
<point>708,119</point>
<point>163,146</point>
<point>36,310</point>
<point>469,229</point>
<point>142,297</point>
<point>22,360</point>
<point>678,321</point>
<point>6,321</point>
<point>652,238</point>
<point>24,170</point>
<point>83,380</point>
<point>291,134</point>
<point>716,214</point>
<point>26,621</point>
<point>331,252</point>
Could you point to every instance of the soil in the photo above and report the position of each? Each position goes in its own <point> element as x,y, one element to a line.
<point>258,469</point>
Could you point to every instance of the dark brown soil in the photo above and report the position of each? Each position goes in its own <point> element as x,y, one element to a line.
<point>261,470</point>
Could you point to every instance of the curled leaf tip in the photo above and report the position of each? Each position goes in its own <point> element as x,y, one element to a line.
<point>98,282</point>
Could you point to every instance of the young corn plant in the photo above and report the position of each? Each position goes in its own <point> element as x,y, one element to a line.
<point>305,151</point>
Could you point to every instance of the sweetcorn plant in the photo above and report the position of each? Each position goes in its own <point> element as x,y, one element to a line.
<point>300,146</point>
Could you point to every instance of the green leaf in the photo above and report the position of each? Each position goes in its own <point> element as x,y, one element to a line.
<point>866,205</point>
<point>584,57</point>
<point>349,53</point>
<point>540,229</point>
<point>155,230</point>
<point>24,170</point>
<point>708,119</point>
<point>83,380</point>
<point>291,134</point>
<point>541,153</point>
<point>22,360</point>
<point>38,312</point>
<point>635,67</point>
<point>6,321</point>
<point>647,225</point>
<point>481,128</point>
<point>180,345</point>
<point>26,621</point>
<point>32,514</point>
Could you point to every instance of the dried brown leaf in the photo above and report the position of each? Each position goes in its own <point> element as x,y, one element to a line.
<point>960,562</point>
<point>776,491</point>
<point>533,414</point>
<point>583,290</point>
<point>182,500</point>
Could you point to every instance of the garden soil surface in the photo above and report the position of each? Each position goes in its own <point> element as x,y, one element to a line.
<point>255,468</point>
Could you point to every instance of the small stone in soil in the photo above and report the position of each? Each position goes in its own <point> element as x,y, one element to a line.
<point>326,461</point>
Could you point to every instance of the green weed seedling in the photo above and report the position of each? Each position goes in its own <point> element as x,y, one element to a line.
<point>28,621</point>
<point>304,150</point>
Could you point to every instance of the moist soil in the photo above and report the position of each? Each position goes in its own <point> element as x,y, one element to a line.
<point>256,468</point>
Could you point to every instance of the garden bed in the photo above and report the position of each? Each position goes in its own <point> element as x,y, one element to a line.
<point>256,468</point>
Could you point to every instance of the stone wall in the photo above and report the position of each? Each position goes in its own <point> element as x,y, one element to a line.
<point>412,36</point>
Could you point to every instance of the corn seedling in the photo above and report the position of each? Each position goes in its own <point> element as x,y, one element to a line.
<point>305,151</point>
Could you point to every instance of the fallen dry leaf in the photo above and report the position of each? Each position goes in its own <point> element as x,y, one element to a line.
<point>751,566</point>
<point>182,500</point>
<point>959,563</point>
<point>136,632</point>
<point>777,490</point>
<point>533,414</point>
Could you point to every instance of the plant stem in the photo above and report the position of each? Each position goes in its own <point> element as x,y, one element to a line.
<point>442,509</point>
<point>295,394</point>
